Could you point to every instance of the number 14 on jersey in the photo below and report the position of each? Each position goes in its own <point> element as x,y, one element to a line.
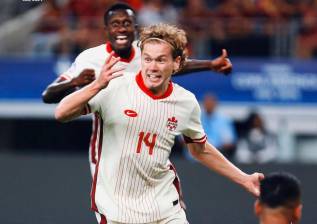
<point>148,139</point>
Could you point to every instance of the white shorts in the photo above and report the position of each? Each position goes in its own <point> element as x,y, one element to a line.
<point>177,218</point>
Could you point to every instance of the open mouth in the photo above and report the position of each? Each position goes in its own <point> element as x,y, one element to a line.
<point>122,39</point>
<point>154,77</point>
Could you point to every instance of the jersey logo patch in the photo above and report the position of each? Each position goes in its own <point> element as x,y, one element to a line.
<point>171,123</point>
<point>130,113</point>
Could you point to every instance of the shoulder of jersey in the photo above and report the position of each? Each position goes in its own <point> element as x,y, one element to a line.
<point>123,80</point>
<point>181,91</point>
<point>94,51</point>
<point>136,47</point>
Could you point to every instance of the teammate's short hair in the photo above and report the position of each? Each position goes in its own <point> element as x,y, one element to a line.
<point>174,36</point>
<point>116,7</point>
<point>280,190</point>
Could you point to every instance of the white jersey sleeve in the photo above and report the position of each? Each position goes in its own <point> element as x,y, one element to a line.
<point>194,132</point>
<point>81,62</point>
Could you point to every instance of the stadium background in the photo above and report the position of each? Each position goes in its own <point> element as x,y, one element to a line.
<point>44,165</point>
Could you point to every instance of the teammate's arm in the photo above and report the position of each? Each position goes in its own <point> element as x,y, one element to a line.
<point>73,105</point>
<point>60,88</point>
<point>220,64</point>
<point>209,156</point>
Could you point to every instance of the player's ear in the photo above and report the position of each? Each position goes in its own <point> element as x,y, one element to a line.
<point>257,207</point>
<point>177,62</point>
<point>298,212</point>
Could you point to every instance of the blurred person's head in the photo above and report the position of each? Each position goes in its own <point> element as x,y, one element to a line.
<point>254,120</point>
<point>120,26</point>
<point>280,199</point>
<point>210,103</point>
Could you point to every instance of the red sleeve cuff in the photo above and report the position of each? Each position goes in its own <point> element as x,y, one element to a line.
<point>201,140</point>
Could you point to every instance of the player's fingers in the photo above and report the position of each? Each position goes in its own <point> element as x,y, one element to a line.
<point>90,79</point>
<point>116,70</point>
<point>109,72</point>
<point>108,59</point>
<point>116,75</point>
<point>112,62</point>
<point>256,192</point>
<point>89,76</point>
<point>226,70</point>
<point>226,67</point>
<point>261,176</point>
<point>89,70</point>
<point>224,53</point>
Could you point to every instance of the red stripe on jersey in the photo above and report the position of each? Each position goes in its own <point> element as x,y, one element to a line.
<point>94,183</point>
<point>178,187</point>
<point>103,219</point>
<point>93,138</point>
<point>127,60</point>
<point>140,82</point>
<point>201,140</point>
<point>86,110</point>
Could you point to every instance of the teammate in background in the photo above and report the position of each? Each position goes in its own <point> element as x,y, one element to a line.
<point>120,27</point>
<point>280,200</point>
<point>141,115</point>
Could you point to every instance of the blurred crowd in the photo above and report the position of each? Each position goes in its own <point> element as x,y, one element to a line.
<point>246,140</point>
<point>245,27</point>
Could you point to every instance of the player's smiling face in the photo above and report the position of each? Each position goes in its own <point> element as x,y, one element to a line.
<point>121,29</point>
<point>158,66</point>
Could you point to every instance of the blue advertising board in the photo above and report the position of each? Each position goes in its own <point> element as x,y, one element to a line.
<point>259,81</point>
<point>25,79</point>
<point>252,81</point>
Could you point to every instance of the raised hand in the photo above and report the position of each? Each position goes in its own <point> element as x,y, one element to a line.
<point>84,78</point>
<point>252,183</point>
<point>108,72</point>
<point>222,63</point>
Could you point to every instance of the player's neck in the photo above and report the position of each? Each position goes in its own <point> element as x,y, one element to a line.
<point>124,53</point>
<point>154,92</point>
<point>276,219</point>
<point>160,91</point>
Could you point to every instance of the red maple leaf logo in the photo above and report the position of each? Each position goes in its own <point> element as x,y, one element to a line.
<point>171,123</point>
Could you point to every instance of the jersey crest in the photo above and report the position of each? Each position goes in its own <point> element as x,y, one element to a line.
<point>171,124</point>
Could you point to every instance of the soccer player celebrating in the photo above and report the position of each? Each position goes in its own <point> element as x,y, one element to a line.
<point>120,27</point>
<point>141,115</point>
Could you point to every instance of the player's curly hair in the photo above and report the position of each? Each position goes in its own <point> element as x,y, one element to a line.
<point>171,34</point>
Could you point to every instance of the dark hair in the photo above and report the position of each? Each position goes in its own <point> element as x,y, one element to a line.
<point>280,189</point>
<point>117,7</point>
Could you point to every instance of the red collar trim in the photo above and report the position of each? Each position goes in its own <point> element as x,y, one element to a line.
<point>140,82</point>
<point>127,60</point>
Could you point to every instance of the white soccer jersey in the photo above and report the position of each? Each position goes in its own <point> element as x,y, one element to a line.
<point>94,58</point>
<point>134,180</point>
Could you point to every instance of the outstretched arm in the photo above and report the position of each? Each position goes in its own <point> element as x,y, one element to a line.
<point>73,105</point>
<point>60,88</point>
<point>214,160</point>
<point>220,64</point>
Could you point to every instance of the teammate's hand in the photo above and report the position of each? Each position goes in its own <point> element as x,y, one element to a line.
<point>84,78</point>
<point>252,183</point>
<point>108,72</point>
<point>222,63</point>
